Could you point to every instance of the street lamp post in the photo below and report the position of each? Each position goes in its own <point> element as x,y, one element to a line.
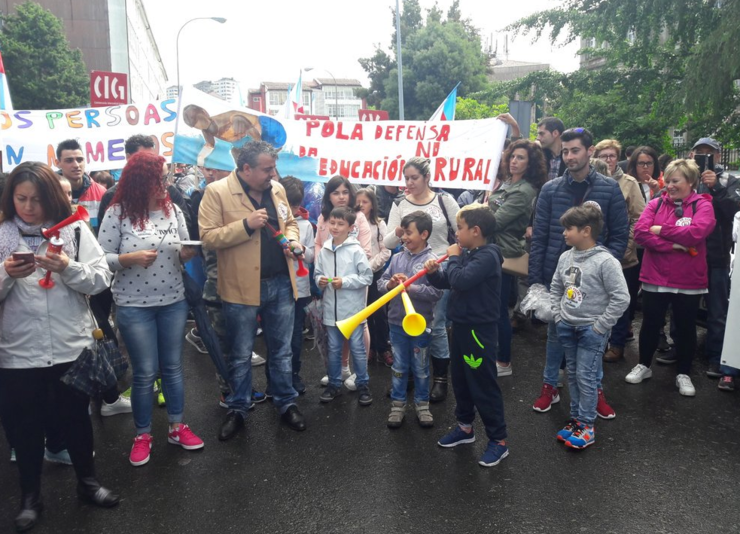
<point>399,56</point>
<point>336,90</point>
<point>220,20</point>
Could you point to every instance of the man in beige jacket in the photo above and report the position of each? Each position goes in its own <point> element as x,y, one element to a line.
<point>255,276</point>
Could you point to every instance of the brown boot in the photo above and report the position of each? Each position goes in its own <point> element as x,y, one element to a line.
<point>614,354</point>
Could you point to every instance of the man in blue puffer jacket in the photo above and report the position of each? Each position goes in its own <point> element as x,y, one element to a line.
<point>580,184</point>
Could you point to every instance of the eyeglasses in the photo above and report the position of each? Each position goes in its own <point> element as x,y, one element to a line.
<point>679,210</point>
<point>607,156</point>
<point>645,164</point>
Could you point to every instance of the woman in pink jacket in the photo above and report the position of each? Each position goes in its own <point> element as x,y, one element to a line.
<point>673,230</point>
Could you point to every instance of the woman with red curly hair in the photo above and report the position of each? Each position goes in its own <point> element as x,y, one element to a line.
<point>141,235</point>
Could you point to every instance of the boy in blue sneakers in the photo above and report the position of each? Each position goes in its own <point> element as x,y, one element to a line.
<point>474,277</point>
<point>588,295</point>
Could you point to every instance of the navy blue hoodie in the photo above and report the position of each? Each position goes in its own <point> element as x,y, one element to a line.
<point>475,281</point>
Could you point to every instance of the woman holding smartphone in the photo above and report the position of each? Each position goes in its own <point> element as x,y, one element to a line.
<point>141,234</point>
<point>43,331</point>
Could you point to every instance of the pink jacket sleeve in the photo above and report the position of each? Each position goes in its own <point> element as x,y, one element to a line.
<point>643,235</point>
<point>319,241</point>
<point>702,224</point>
<point>363,234</point>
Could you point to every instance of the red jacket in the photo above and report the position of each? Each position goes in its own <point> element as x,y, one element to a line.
<point>663,265</point>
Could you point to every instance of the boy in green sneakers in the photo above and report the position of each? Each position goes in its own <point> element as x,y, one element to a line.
<point>473,274</point>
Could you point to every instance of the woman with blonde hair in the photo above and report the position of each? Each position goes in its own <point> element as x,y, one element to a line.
<point>673,229</point>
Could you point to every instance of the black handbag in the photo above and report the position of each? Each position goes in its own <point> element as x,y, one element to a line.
<point>96,370</point>
<point>451,237</point>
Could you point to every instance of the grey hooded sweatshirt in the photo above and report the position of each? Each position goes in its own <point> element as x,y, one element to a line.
<point>588,288</point>
<point>349,262</point>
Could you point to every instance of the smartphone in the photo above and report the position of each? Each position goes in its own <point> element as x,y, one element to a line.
<point>25,257</point>
<point>704,161</point>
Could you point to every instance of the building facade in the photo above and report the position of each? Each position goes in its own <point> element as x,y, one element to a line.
<point>507,70</point>
<point>321,96</point>
<point>113,35</point>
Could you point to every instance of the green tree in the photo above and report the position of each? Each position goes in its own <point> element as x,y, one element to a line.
<point>469,108</point>
<point>378,68</point>
<point>672,61</point>
<point>43,72</point>
<point>600,100</point>
<point>437,54</point>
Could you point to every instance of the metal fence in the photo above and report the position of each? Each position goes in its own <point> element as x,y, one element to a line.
<point>729,158</point>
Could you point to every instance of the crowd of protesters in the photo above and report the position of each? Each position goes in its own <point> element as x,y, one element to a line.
<point>593,237</point>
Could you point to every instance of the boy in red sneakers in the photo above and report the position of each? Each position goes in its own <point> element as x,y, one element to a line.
<point>588,295</point>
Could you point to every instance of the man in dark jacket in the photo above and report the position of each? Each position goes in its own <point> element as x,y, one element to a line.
<point>580,184</point>
<point>387,196</point>
<point>725,191</point>
<point>549,132</point>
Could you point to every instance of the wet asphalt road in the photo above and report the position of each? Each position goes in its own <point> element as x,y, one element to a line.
<point>665,464</point>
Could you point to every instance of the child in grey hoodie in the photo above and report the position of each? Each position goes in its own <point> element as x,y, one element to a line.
<point>343,273</point>
<point>588,295</point>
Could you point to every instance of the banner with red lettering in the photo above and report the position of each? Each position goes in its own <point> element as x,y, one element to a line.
<point>463,154</point>
<point>34,135</point>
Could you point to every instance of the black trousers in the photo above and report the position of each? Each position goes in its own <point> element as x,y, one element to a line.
<point>473,364</point>
<point>377,323</point>
<point>25,397</point>
<point>654,307</point>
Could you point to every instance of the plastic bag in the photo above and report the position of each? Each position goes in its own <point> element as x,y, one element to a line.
<point>537,301</point>
<point>321,341</point>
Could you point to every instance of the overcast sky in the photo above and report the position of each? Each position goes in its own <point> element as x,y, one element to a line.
<point>272,40</point>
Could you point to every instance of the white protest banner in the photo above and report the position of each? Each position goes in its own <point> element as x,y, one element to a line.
<point>34,135</point>
<point>731,346</point>
<point>464,154</point>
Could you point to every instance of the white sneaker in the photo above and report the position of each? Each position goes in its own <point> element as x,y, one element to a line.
<point>257,360</point>
<point>345,375</point>
<point>561,377</point>
<point>122,405</point>
<point>195,340</point>
<point>685,387</point>
<point>504,370</point>
<point>349,383</point>
<point>639,373</point>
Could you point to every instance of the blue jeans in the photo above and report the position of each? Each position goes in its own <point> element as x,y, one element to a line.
<point>584,348</point>
<point>357,351</point>
<point>410,354</point>
<point>622,328</point>
<point>440,347</point>
<point>504,323</point>
<point>276,310</point>
<point>296,343</point>
<point>555,358</point>
<point>154,336</point>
